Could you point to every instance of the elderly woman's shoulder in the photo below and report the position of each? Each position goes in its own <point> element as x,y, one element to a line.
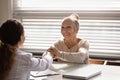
<point>58,42</point>
<point>84,43</point>
<point>83,40</point>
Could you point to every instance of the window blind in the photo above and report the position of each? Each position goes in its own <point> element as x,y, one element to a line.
<point>99,24</point>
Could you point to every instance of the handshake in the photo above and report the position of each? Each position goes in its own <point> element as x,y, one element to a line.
<point>54,52</point>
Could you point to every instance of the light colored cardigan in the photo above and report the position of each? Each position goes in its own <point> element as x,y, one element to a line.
<point>24,63</point>
<point>73,54</point>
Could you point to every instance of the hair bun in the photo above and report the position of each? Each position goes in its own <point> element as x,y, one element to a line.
<point>74,16</point>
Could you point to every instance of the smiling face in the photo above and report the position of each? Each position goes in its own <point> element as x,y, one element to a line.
<point>68,29</point>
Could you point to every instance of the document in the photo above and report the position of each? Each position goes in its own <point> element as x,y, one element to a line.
<point>47,72</point>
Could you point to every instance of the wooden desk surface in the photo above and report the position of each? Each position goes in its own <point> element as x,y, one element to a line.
<point>108,72</point>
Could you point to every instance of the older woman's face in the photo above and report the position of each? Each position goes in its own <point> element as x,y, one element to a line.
<point>68,29</point>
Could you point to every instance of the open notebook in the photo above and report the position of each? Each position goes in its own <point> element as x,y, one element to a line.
<point>85,72</point>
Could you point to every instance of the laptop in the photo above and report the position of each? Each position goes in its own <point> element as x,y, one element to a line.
<point>83,73</point>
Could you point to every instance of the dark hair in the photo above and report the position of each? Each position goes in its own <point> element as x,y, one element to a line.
<point>10,34</point>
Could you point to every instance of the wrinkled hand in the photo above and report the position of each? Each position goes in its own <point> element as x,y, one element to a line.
<point>54,51</point>
<point>48,53</point>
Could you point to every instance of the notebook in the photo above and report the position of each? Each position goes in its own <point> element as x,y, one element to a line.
<point>84,73</point>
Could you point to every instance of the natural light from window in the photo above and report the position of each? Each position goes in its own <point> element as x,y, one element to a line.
<point>71,4</point>
<point>99,23</point>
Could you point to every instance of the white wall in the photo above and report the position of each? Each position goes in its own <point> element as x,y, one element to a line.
<point>5,10</point>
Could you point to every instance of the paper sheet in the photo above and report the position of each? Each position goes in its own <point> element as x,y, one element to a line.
<point>47,72</point>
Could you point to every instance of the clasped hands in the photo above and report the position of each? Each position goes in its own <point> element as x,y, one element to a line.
<point>54,52</point>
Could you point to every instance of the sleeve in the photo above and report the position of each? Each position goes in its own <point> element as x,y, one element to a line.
<point>41,64</point>
<point>77,57</point>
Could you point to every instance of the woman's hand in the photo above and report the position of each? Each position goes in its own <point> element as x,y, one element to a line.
<point>54,51</point>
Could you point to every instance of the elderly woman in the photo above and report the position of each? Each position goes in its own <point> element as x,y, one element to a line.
<point>71,48</point>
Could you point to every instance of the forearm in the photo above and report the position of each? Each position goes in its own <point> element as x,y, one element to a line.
<point>42,64</point>
<point>77,57</point>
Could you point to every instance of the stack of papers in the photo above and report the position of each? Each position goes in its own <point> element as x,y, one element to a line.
<point>47,72</point>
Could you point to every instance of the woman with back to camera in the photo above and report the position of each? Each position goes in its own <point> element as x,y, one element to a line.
<point>71,48</point>
<point>14,63</point>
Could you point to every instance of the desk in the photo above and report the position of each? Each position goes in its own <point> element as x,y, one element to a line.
<point>108,72</point>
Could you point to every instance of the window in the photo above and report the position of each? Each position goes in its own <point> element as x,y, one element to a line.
<point>99,23</point>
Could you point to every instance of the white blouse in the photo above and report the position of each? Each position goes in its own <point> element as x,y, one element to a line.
<point>24,63</point>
